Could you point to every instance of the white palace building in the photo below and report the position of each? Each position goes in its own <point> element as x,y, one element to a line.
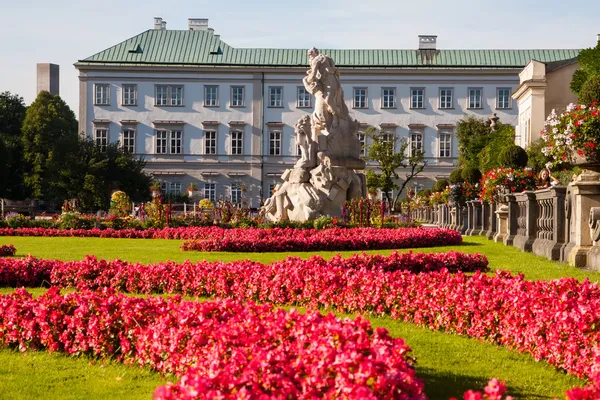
<point>199,110</point>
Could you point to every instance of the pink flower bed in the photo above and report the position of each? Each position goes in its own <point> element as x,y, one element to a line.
<point>234,350</point>
<point>7,250</point>
<point>195,278</point>
<point>270,240</point>
<point>276,239</point>
<point>556,321</point>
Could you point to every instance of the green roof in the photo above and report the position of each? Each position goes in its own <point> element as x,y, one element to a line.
<point>173,47</point>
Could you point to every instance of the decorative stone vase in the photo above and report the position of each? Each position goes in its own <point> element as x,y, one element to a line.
<point>590,165</point>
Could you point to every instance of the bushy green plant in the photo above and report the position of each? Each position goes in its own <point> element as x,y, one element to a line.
<point>440,185</point>
<point>323,222</point>
<point>566,176</point>
<point>590,91</point>
<point>513,157</point>
<point>471,175</point>
<point>536,159</point>
<point>456,176</point>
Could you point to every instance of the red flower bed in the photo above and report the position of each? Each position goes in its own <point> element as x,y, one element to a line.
<point>556,321</point>
<point>275,239</point>
<point>190,278</point>
<point>7,250</point>
<point>234,349</point>
<point>270,240</point>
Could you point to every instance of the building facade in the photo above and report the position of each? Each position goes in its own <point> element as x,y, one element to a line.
<point>199,110</point>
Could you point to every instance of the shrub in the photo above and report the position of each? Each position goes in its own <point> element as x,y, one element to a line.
<point>456,176</point>
<point>536,159</point>
<point>471,175</point>
<point>440,185</point>
<point>513,157</point>
<point>590,91</point>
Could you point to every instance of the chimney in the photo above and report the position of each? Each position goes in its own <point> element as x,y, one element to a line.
<point>163,26</point>
<point>198,24</point>
<point>598,38</point>
<point>48,78</point>
<point>427,42</point>
<point>158,21</point>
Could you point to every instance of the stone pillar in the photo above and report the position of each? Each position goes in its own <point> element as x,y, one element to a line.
<point>512,223</point>
<point>478,218</point>
<point>470,220</point>
<point>551,222</point>
<point>492,218</point>
<point>501,222</point>
<point>453,217</point>
<point>462,219</point>
<point>584,194</point>
<point>528,215</point>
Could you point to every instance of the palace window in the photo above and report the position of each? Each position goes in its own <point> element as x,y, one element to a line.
<point>275,96</point>
<point>237,96</point>
<point>168,95</point>
<point>211,96</point>
<point>210,142</point>
<point>388,98</point>
<point>101,138</point>
<point>360,98</point>
<point>417,98</point>
<point>475,98</point>
<point>101,94</point>
<point>129,95</point>
<point>275,143</point>
<point>128,141</point>
<point>446,100</point>
<point>237,142</point>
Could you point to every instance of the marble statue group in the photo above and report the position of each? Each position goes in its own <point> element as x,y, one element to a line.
<point>326,174</point>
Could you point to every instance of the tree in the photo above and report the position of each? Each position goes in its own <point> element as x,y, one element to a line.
<point>589,64</point>
<point>382,150</point>
<point>590,91</point>
<point>91,174</point>
<point>48,130</point>
<point>473,135</point>
<point>12,114</point>
<point>489,157</point>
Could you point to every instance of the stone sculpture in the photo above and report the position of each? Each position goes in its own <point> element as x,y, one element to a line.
<point>325,176</point>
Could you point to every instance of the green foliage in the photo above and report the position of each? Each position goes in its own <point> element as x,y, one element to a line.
<point>471,175</point>
<point>535,158</point>
<point>589,63</point>
<point>12,114</point>
<point>383,151</point>
<point>440,185</point>
<point>489,157</point>
<point>424,193</point>
<point>565,176</point>
<point>456,176</point>
<point>577,81</point>
<point>90,174</point>
<point>513,157</point>
<point>323,222</point>
<point>473,135</point>
<point>590,91</point>
<point>49,131</point>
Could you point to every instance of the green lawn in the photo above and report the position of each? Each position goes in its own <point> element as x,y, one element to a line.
<point>147,251</point>
<point>449,364</point>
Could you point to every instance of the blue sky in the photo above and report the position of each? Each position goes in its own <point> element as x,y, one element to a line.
<point>64,31</point>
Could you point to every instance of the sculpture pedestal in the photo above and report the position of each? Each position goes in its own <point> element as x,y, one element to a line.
<point>501,222</point>
<point>584,194</point>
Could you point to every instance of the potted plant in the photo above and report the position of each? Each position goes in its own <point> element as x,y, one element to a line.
<point>191,188</point>
<point>155,188</point>
<point>573,137</point>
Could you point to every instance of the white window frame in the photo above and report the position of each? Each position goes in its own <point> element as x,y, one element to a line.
<point>102,137</point>
<point>303,98</point>
<point>444,145</point>
<point>102,94</point>
<point>416,94</point>
<point>168,141</point>
<point>129,94</point>
<point>412,135</point>
<point>161,141</point>
<point>128,140</point>
<point>388,100</point>
<point>213,92</point>
<point>210,142</point>
<point>170,93</point>
<point>275,142</point>
<point>360,97</point>
<point>275,99</point>
<point>474,105</point>
<point>210,191</point>
<point>362,138</point>
<point>237,143</point>
<point>235,192</point>
<point>446,98</point>
<point>238,100</point>
<point>176,141</point>
<point>500,106</point>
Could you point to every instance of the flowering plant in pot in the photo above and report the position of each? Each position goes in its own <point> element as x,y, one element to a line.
<point>509,180</point>
<point>573,137</point>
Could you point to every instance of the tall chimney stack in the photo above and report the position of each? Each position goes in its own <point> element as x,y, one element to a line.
<point>198,24</point>
<point>427,42</point>
<point>48,78</point>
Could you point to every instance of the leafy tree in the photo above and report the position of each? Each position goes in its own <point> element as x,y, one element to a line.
<point>535,158</point>
<point>589,63</point>
<point>473,135</point>
<point>513,156</point>
<point>382,150</point>
<point>590,91</point>
<point>49,129</point>
<point>12,114</point>
<point>489,156</point>
<point>91,174</point>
